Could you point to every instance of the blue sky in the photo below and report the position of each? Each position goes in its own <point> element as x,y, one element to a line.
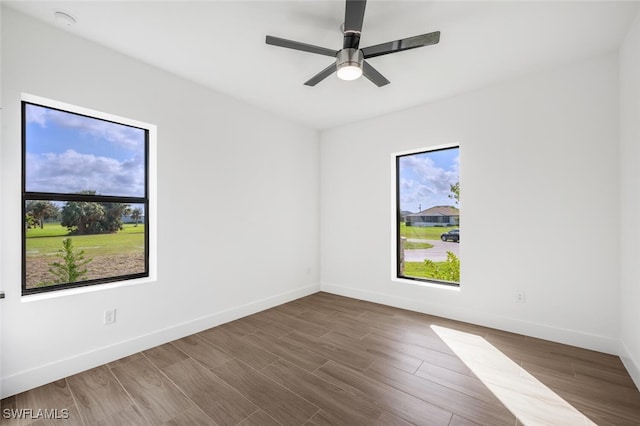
<point>68,153</point>
<point>426,179</point>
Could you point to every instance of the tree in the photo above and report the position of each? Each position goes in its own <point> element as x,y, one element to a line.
<point>112,220</point>
<point>455,192</point>
<point>82,217</point>
<point>71,267</point>
<point>136,214</point>
<point>29,221</point>
<point>88,217</point>
<point>41,210</point>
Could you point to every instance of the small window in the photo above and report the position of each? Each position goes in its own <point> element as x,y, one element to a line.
<point>85,198</point>
<point>428,216</point>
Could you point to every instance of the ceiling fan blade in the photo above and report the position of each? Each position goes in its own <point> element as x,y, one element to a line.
<point>321,75</point>
<point>354,15</point>
<point>296,45</point>
<point>372,74</point>
<point>400,45</point>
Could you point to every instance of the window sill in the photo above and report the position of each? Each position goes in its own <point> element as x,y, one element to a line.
<point>84,290</point>
<point>427,284</point>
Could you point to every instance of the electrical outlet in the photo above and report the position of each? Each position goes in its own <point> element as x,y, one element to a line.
<point>109,316</point>
<point>520,296</point>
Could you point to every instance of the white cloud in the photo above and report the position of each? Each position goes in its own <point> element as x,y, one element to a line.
<point>37,115</point>
<point>72,172</point>
<point>126,137</point>
<point>423,184</point>
<point>431,175</point>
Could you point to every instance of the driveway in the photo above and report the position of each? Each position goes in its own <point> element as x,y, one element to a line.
<point>437,253</point>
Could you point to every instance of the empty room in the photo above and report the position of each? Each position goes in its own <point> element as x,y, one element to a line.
<point>319,212</point>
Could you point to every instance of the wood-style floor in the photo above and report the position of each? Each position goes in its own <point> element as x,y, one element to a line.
<point>326,359</point>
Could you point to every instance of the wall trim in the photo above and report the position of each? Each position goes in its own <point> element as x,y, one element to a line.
<point>542,331</point>
<point>47,373</point>
<point>632,366</point>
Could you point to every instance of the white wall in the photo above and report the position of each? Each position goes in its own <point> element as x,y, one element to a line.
<point>630,200</point>
<point>1,284</point>
<point>238,213</point>
<point>540,196</point>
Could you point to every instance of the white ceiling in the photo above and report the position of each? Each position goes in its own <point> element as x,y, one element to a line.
<point>221,45</point>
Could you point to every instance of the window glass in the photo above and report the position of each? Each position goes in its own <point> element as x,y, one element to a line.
<point>85,199</point>
<point>428,216</point>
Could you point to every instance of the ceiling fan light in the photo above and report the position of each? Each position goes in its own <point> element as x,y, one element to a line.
<point>349,64</point>
<point>349,72</point>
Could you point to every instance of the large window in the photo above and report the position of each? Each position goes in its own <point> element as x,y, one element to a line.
<point>428,216</point>
<point>85,199</point>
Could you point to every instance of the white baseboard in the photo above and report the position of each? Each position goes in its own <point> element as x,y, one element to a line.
<point>58,369</point>
<point>542,331</point>
<point>632,366</point>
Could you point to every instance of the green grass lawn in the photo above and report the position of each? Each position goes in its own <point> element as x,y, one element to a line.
<point>419,270</point>
<point>47,241</point>
<point>423,232</point>
<point>410,245</point>
<point>49,230</point>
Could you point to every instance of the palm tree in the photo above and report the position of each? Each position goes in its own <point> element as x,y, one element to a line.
<point>136,214</point>
<point>42,210</point>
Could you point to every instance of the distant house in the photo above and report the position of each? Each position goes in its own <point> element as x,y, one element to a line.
<point>404,214</point>
<point>434,216</point>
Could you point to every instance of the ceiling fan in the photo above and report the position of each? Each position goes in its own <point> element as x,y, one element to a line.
<point>350,61</point>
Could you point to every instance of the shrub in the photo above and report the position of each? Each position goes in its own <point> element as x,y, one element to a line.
<point>447,271</point>
<point>70,268</point>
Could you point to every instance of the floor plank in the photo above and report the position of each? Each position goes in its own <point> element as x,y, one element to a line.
<point>238,347</point>
<point>289,351</point>
<point>203,351</point>
<point>294,323</point>
<point>280,403</point>
<point>399,403</point>
<point>461,421</point>
<point>262,325</point>
<point>55,395</point>
<point>98,395</point>
<point>155,396</point>
<point>463,383</point>
<point>377,351</point>
<point>130,416</point>
<point>259,418</point>
<point>481,410</point>
<point>328,397</point>
<point>165,355</point>
<point>337,323</point>
<point>388,419</point>
<point>349,356</point>
<point>224,404</point>
<point>192,417</point>
<point>422,353</point>
<point>593,375</point>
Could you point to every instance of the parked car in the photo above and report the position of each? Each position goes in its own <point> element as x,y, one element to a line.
<point>453,235</point>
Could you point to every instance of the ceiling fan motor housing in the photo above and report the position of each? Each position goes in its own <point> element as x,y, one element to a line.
<point>349,58</point>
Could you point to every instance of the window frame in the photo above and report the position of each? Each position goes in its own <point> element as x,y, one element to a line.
<point>397,216</point>
<point>149,135</point>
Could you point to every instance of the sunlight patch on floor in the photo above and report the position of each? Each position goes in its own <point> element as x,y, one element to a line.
<point>526,397</point>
